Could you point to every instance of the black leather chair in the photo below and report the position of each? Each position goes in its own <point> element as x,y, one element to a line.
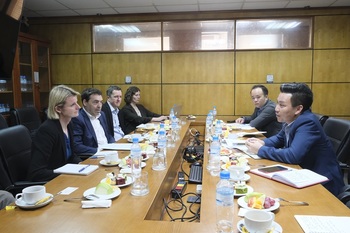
<point>15,156</point>
<point>3,122</point>
<point>29,117</point>
<point>321,118</point>
<point>338,131</point>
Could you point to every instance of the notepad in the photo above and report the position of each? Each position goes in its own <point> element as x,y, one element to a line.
<point>323,224</point>
<point>298,178</point>
<point>76,169</point>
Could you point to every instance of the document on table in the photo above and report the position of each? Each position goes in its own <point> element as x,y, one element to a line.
<point>323,224</point>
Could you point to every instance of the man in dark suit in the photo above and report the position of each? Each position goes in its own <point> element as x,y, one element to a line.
<point>90,127</point>
<point>264,116</point>
<point>302,139</point>
<point>111,109</point>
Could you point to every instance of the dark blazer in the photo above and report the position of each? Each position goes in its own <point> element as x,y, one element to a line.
<point>309,147</point>
<point>266,120</point>
<point>85,140</point>
<point>109,117</point>
<point>49,151</point>
<point>129,119</point>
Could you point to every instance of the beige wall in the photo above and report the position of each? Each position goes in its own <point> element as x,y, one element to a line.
<point>200,80</point>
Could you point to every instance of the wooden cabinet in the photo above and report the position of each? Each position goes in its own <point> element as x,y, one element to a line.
<point>31,81</point>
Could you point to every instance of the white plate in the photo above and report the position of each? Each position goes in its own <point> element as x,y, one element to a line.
<point>20,203</point>
<point>104,163</point>
<point>275,226</point>
<point>246,177</point>
<point>244,205</point>
<point>129,180</point>
<point>223,167</point>
<point>143,164</point>
<point>90,191</point>
<point>250,189</point>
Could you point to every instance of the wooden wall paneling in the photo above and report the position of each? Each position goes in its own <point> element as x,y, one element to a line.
<point>331,99</point>
<point>286,66</point>
<point>198,67</point>
<point>198,99</point>
<point>244,105</point>
<point>66,38</point>
<point>113,68</point>
<point>71,69</point>
<point>331,65</point>
<point>332,31</point>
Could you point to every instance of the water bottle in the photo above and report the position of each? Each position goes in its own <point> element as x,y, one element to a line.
<point>214,113</point>
<point>159,159</point>
<point>224,204</point>
<point>136,158</point>
<point>208,124</point>
<point>171,114</point>
<point>218,128</point>
<point>214,157</point>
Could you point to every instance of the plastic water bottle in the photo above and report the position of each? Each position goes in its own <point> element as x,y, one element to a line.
<point>214,113</point>
<point>218,128</point>
<point>136,158</point>
<point>214,157</point>
<point>159,159</point>
<point>171,114</point>
<point>224,204</point>
<point>208,124</point>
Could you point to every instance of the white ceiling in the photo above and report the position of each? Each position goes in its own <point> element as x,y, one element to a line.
<point>51,8</point>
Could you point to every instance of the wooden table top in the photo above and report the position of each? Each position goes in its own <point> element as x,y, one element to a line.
<point>137,214</point>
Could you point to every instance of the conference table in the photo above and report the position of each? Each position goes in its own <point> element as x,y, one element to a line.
<point>146,213</point>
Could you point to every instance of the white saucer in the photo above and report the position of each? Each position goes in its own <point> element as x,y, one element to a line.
<point>143,164</point>
<point>275,226</point>
<point>223,167</point>
<point>246,177</point>
<point>20,203</point>
<point>129,180</point>
<point>90,191</point>
<point>249,190</point>
<point>104,163</point>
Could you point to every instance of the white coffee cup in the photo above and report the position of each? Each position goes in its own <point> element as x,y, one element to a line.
<point>258,221</point>
<point>112,157</point>
<point>236,172</point>
<point>32,194</point>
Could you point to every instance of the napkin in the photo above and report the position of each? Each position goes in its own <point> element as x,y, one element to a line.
<point>96,204</point>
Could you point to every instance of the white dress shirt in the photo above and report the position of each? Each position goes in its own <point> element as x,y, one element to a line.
<point>99,131</point>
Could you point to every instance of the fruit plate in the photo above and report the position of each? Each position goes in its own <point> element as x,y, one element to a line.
<point>129,180</point>
<point>90,193</point>
<point>241,202</point>
<point>275,228</point>
<point>249,190</point>
<point>223,167</point>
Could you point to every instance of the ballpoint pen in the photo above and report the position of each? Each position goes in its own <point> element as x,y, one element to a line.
<point>82,169</point>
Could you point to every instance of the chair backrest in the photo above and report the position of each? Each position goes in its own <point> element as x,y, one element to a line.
<point>29,117</point>
<point>338,131</point>
<point>3,122</point>
<point>15,151</point>
<point>321,118</point>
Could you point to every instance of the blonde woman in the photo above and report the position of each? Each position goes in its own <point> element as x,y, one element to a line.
<point>52,145</point>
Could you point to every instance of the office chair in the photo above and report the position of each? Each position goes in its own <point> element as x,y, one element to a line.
<point>29,117</point>
<point>321,118</point>
<point>15,156</point>
<point>338,131</point>
<point>3,122</point>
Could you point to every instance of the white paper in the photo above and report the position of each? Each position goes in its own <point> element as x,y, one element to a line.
<point>323,224</point>
<point>68,190</point>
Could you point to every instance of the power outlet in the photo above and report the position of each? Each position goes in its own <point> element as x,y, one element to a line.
<point>128,80</point>
<point>269,78</point>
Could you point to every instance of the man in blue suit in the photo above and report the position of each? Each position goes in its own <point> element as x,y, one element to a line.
<point>90,127</point>
<point>302,139</point>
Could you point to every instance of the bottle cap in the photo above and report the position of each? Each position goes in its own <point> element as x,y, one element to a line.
<point>225,175</point>
<point>161,132</point>
<point>135,140</point>
<point>215,138</point>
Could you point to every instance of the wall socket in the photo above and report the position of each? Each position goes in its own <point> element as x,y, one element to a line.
<point>269,78</point>
<point>128,80</point>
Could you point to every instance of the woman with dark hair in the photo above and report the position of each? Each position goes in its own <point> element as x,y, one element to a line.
<point>133,113</point>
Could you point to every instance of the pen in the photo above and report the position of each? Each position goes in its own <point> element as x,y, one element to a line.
<point>82,169</point>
